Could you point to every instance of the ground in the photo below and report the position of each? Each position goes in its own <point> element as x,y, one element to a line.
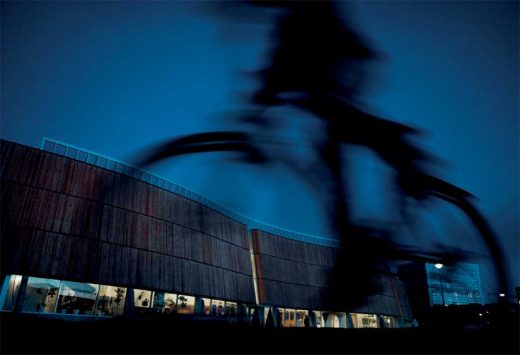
<point>176,335</point>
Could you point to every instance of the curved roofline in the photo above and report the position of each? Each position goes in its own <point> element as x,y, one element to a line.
<point>86,156</point>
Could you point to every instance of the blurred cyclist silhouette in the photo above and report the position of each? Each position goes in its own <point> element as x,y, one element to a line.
<point>319,65</point>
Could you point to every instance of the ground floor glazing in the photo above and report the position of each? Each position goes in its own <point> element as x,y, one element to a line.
<point>62,297</point>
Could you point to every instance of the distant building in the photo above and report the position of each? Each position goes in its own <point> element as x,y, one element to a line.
<point>453,285</point>
<point>430,285</point>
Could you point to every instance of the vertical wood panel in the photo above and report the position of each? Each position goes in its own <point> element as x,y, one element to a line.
<point>77,221</point>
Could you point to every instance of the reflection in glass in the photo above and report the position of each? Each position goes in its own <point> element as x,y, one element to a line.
<point>170,302</point>
<point>185,304</point>
<point>10,289</point>
<point>41,295</point>
<point>218,308</point>
<point>142,298</point>
<point>207,306</point>
<point>330,319</point>
<point>288,319</point>
<point>111,301</point>
<point>77,298</point>
<point>250,311</point>
<point>361,320</point>
<point>231,309</point>
<point>158,302</point>
<point>301,315</point>
<point>389,322</point>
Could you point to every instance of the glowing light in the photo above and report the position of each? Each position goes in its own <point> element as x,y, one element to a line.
<point>438,266</point>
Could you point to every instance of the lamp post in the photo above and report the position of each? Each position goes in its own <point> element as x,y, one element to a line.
<point>439,266</point>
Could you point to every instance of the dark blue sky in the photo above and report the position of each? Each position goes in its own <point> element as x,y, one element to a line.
<point>114,77</point>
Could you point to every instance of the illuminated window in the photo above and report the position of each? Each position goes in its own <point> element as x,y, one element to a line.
<point>142,298</point>
<point>289,318</point>
<point>330,320</point>
<point>77,298</point>
<point>301,318</point>
<point>41,295</point>
<point>207,306</point>
<point>185,304</point>
<point>217,308</point>
<point>111,301</point>
<point>158,302</point>
<point>319,319</point>
<point>362,320</point>
<point>389,322</point>
<point>10,290</point>
<point>266,313</point>
<point>170,302</point>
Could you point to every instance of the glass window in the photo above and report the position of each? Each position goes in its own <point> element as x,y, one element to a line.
<point>92,159</point>
<point>111,165</point>
<point>289,318</point>
<point>266,313</point>
<point>111,301</point>
<point>71,153</point>
<point>361,320</point>
<point>60,149</point>
<point>332,320</point>
<point>10,289</point>
<point>301,318</point>
<point>49,146</point>
<point>170,302</point>
<point>101,162</point>
<point>389,322</point>
<point>207,306</point>
<point>231,309</point>
<point>77,298</point>
<point>319,321</point>
<point>158,301</point>
<point>335,320</point>
<point>82,156</point>
<point>142,298</point>
<point>218,308</point>
<point>250,311</point>
<point>41,295</point>
<point>120,168</point>
<point>185,304</point>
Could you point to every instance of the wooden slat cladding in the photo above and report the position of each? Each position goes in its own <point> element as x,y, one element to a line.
<point>291,273</point>
<point>292,295</point>
<point>60,174</point>
<point>67,219</point>
<point>296,274</point>
<point>40,253</point>
<point>294,250</point>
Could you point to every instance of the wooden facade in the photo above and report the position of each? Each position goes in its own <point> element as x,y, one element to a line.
<point>66,219</point>
<point>295,274</point>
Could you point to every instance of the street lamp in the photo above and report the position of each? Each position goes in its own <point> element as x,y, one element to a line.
<point>439,266</point>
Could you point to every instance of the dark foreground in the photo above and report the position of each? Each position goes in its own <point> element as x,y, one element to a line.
<point>53,336</point>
